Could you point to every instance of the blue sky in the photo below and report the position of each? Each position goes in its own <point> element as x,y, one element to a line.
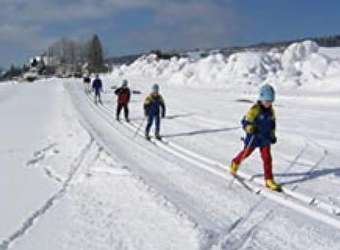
<point>132,26</point>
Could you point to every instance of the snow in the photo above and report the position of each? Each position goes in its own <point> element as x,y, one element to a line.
<point>71,177</point>
<point>300,65</point>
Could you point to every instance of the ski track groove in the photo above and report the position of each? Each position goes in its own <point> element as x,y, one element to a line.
<point>29,222</point>
<point>290,198</point>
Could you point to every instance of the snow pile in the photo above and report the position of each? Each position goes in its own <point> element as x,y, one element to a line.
<point>150,66</point>
<point>304,63</point>
<point>253,67</point>
<point>300,64</point>
<point>295,55</point>
<point>205,71</point>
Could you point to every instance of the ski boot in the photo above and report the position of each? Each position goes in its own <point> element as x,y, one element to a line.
<point>147,136</point>
<point>158,137</point>
<point>233,168</point>
<point>271,184</point>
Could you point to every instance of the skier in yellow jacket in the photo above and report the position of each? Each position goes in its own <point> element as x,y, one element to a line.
<point>259,124</point>
<point>154,107</point>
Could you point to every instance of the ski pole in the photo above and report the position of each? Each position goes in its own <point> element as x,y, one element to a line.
<point>246,149</point>
<point>139,127</point>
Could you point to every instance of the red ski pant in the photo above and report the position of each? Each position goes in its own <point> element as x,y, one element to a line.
<point>265,155</point>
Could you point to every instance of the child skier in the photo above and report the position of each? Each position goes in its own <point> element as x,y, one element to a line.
<point>97,87</point>
<point>152,105</point>
<point>259,125</point>
<point>87,81</point>
<point>123,94</point>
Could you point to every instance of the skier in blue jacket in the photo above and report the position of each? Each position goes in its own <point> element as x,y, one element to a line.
<point>97,87</point>
<point>154,107</point>
<point>259,124</point>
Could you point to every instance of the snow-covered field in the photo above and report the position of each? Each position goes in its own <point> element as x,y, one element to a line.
<point>71,177</point>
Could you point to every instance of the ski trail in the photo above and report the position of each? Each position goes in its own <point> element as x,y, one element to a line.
<point>29,223</point>
<point>219,169</point>
<point>208,228</point>
<point>293,201</point>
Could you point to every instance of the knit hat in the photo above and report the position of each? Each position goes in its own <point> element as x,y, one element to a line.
<point>267,93</point>
<point>155,88</point>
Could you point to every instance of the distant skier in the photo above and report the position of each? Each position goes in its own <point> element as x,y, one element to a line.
<point>86,82</point>
<point>97,87</point>
<point>123,94</point>
<point>259,125</point>
<point>154,107</point>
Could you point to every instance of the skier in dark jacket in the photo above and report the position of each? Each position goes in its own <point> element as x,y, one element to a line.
<point>154,106</point>
<point>97,87</point>
<point>259,125</point>
<point>123,94</point>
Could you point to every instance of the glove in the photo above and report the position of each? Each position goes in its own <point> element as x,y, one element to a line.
<point>273,139</point>
<point>163,115</point>
<point>251,129</point>
<point>145,113</point>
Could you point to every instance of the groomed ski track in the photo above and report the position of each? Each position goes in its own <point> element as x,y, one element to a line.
<point>177,160</point>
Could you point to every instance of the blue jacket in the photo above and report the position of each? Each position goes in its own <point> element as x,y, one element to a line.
<point>260,123</point>
<point>152,105</point>
<point>97,85</point>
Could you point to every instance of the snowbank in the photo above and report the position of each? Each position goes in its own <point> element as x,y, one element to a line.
<point>300,66</point>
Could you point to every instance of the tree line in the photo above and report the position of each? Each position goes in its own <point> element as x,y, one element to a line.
<point>77,55</point>
<point>65,56</point>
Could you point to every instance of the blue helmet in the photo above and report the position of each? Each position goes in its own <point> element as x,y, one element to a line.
<point>267,93</point>
<point>155,88</point>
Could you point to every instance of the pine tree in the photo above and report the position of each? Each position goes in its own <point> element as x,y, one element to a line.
<point>95,55</point>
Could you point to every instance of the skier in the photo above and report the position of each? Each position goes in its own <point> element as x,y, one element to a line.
<point>87,81</point>
<point>152,105</point>
<point>123,94</point>
<point>259,125</point>
<point>97,87</point>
